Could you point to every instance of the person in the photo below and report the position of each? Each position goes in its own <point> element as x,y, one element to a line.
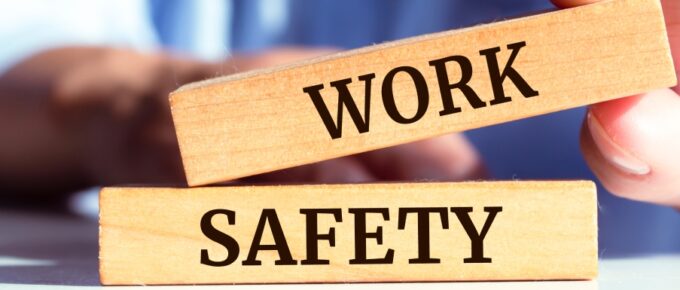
<point>84,84</point>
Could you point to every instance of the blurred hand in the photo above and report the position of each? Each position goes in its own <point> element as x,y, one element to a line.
<point>633,144</point>
<point>83,116</point>
<point>446,158</point>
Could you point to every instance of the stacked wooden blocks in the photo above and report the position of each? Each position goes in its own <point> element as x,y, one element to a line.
<point>371,98</point>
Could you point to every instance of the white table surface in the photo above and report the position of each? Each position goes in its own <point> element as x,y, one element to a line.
<point>50,251</point>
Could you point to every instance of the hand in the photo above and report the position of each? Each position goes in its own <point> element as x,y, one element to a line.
<point>633,144</point>
<point>79,116</point>
<point>446,158</point>
<point>82,116</point>
<point>134,140</point>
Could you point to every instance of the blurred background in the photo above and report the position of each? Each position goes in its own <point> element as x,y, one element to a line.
<point>83,88</point>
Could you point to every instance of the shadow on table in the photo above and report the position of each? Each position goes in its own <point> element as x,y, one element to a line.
<point>48,249</point>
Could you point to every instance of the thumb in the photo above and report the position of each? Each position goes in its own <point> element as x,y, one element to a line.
<point>631,144</point>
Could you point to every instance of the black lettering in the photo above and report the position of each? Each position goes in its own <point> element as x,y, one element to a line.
<point>421,90</point>
<point>219,237</point>
<point>313,235</point>
<point>423,215</point>
<point>445,87</point>
<point>476,239</point>
<point>497,78</point>
<point>280,245</point>
<point>360,236</point>
<point>346,100</point>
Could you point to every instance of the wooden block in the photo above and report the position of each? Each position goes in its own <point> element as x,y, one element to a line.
<point>266,120</point>
<point>349,233</point>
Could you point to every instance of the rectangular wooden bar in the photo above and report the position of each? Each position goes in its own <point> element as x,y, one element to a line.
<point>467,231</point>
<point>266,120</point>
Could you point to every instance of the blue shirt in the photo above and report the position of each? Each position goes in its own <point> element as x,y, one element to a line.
<point>544,147</point>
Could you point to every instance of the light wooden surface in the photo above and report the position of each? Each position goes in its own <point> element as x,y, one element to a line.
<point>546,230</point>
<point>262,121</point>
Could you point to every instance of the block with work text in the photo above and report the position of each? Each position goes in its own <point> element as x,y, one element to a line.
<point>421,87</point>
<point>514,230</point>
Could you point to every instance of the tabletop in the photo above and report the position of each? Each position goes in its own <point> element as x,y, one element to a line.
<point>56,251</point>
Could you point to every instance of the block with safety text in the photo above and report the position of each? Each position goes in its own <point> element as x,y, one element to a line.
<point>470,231</point>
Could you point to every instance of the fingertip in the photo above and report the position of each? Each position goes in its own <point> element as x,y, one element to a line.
<point>613,179</point>
<point>621,158</point>
<point>443,158</point>
<point>342,170</point>
<point>339,170</point>
<point>631,145</point>
<point>572,3</point>
<point>641,122</point>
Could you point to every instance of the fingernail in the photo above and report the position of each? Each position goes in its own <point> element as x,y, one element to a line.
<point>612,152</point>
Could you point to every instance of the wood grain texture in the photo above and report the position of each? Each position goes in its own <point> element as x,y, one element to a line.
<point>261,121</point>
<point>546,230</point>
